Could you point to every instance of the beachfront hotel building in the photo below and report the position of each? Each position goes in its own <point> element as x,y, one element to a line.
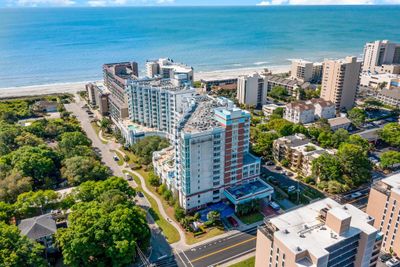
<point>291,86</point>
<point>166,68</point>
<point>252,90</point>
<point>213,159</point>
<point>384,206</point>
<point>157,103</point>
<point>322,234</point>
<point>380,53</point>
<point>116,78</point>
<point>305,71</point>
<point>340,81</point>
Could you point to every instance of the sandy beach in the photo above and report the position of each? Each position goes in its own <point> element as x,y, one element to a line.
<point>74,87</point>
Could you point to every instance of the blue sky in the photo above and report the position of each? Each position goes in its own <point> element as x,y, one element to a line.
<point>42,3</point>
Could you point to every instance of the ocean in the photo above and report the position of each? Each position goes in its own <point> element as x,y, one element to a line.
<point>56,45</point>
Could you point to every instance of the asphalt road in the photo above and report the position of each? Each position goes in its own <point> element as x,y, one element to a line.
<point>159,246</point>
<point>219,251</point>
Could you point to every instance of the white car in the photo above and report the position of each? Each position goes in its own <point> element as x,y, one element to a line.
<point>355,195</point>
<point>393,262</point>
<point>291,188</point>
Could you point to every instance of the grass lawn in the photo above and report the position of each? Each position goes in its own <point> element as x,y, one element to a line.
<point>251,218</point>
<point>132,157</point>
<point>190,239</point>
<point>250,262</point>
<point>97,130</point>
<point>169,231</point>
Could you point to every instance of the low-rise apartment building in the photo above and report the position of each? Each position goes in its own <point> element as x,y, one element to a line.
<point>269,109</point>
<point>292,86</point>
<point>384,206</point>
<point>116,77</point>
<point>310,110</point>
<point>380,81</point>
<point>298,151</point>
<point>322,234</point>
<point>389,97</point>
<point>166,68</point>
<point>339,123</point>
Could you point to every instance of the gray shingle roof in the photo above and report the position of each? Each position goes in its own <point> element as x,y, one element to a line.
<point>38,227</point>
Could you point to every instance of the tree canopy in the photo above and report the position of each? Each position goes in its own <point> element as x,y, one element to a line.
<point>17,250</point>
<point>145,147</point>
<point>79,169</point>
<point>390,133</point>
<point>357,116</point>
<point>390,158</point>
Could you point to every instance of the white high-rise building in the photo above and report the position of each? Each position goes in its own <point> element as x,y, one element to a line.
<point>380,53</point>
<point>157,103</point>
<point>168,69</point>
<point>213,156</point>
<point>252,90</point>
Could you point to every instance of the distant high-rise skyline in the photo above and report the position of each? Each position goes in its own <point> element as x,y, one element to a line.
<point>99,3</point>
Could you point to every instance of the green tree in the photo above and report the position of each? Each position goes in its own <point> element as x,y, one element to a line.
<point>7,211</point>
<point>34,203</point>
<point>358,140</point>
<point>70,140</point>
<point>262,146</point>
<point>40,163</point>
<point>79,169</point>
<point>327,167</point>
<point>357,116</point>
<point>278,92</point>
<point>13,185</point>
<point>91,190</point>
<point>213,216</point>
<point>390,158</point>
<point>145,147</point>
<point>325,139</point>
<point>355,163</point>
<point>105,125</point>
<point>103,237</point>
<point>28,139</point>
<point>8,134</point>
<point>17,250</point>
<point>154,180</point>
<point>339,137</point>
<point>390,133</point>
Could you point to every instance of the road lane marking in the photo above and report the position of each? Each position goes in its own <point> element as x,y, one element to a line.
<point>218,251</point>
<point>184,254</point>
<point>233,257</point>
<point>181,257</point>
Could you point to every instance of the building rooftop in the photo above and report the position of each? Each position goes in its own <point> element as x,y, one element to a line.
<point>393,183</point>
<point>294,140</point>
<point>248,189</point>
<point>309,104</point>
<point>306,228</point>
<point>287,82</point>
<point>308,148</point>
<point>159,83</point>
<point>338,121</point>
<point>202,118</point>
<point>38,227</point>
<point>392,93</point>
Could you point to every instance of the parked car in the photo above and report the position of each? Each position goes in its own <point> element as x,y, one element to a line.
<point>291,188</point>
<point>129,177</point>
<point>274,206</point>
<point>140,194</point>
<point>385,257</point>
<point>393,262</point>
<point>270,163</point>
<point>290,174</point>
<point>356,195</point>
<point>278,168</point>
<point>233,221</point>
<point>273,180</point>
<point>116,158</point>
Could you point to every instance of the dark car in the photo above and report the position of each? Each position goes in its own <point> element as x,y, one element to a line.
<point>232,221</point>
<point>140,194</point>
<point>278,168</point>
<point>385,257</point>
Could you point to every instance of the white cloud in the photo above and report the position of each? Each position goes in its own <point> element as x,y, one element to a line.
<point>33,3</point>
<point>272,2</point>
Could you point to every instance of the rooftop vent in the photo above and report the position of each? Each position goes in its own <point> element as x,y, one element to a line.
<point>285,231</point>
<point>298,249</point>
